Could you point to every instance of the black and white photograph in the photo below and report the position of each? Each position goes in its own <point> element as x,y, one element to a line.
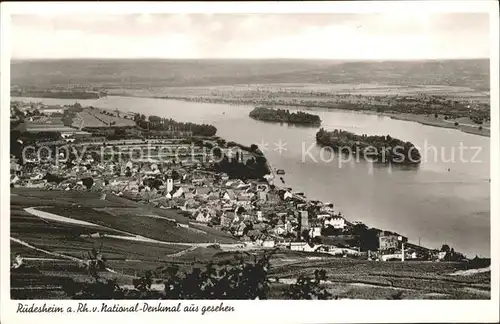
<point>248,155</point>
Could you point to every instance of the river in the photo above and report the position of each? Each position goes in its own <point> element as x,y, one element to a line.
<point>445,200</point>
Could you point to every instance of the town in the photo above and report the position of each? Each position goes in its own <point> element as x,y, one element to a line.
<point>185,168</point>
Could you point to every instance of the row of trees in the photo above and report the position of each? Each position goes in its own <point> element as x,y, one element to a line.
<point>168,124</point>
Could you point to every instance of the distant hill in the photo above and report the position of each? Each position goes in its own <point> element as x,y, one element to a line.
<point>473,73</point>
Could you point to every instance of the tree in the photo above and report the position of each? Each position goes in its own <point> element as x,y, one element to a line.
<point>309,288</point>
<point>436,115</point>
<point>217,152</point>
<point>53,178</point>
<point>456,124</point>
<point>88,182</point>
<point>250,162</point>
<point>445,248</point>
<point>316,240</point>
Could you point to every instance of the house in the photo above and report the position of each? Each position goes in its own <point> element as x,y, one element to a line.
<point>263,187</point>
<point>265,241</point>
<point>35,184</point>
<point>287,195</point>
<point>323,216</point>
<point>302,246</point>
<point>190,204</point>
<point>387,257</point>
<point>280,229</point>
<point>15,167</point>
<point>262,195</point>
<point>297,246</point>
<point>14,178</point>
<point>336,222</point>
<point>243,185</point>
<point>237,184</point>
<point>246,239</point>
<point>203,191</point>
<point>390,240</point>
<point>189,195</point>
<point>240,229</point>
<point>330,249</point>
<point>203,217</point>
<point>224,177</point>
<point>244,196</point>
<point>178,193</point>
<point>315,231</point>
<point>227,218</point>
<point>268,242</point>
<point>229,195</point>
<point>51,110</point>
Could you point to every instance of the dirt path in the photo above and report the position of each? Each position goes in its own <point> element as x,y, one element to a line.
<point>58,218</point>
<point>130,237</point>
<point>469,272</point>
<point>59,255</point>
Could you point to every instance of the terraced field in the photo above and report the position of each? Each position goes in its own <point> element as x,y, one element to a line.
<point>362,279</point>
<point>54,251</point>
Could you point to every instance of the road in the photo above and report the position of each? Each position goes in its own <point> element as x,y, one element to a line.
<point>127,236</point>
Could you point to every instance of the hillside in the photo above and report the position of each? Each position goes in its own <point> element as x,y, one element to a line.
<point>165,73</point>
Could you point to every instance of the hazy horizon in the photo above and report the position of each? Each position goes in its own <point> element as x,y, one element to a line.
<point>402,36</point>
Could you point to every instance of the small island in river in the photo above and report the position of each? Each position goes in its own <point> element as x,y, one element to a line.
<point>380,149</point>
<point>284,116</point>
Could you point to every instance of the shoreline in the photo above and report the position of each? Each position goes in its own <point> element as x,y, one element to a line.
<point>473,130</point>
<point>468,130</point>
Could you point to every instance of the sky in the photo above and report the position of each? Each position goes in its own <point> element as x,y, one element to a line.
<point>303,36</point>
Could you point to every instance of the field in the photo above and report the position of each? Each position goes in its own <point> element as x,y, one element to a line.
<point>291,92</point>
<point>464,124</point>
<point>96,117</point>
<point>360,279</point>
<point>57,249</point>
